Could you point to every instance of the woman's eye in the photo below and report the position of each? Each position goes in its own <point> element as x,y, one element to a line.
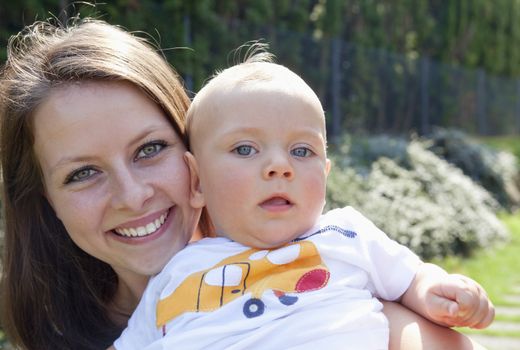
<point>301,152</point>
<point>245,150</point>
<point>80,175</point>
<point>150,149</point>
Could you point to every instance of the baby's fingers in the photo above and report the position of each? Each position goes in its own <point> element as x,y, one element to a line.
<point>484,316</point>
<point>445,311</point>
<point>474,307</point>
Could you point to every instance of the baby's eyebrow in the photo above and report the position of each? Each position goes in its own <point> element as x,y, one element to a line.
<point>242,129</point>
<point>231,133</point>
<point>259,129</point>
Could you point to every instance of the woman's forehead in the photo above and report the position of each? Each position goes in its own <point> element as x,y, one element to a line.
<point>82,119</point>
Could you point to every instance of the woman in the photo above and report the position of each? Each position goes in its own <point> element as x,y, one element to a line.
<point>96,188</point>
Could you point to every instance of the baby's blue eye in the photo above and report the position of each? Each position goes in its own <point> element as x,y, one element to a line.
<point>301,152</point>
<point>244,150</point>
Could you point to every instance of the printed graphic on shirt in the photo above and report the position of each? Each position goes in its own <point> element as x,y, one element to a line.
<point>294,268</point>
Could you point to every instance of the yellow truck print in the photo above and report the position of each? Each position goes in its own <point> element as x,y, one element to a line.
<point>294,268</point>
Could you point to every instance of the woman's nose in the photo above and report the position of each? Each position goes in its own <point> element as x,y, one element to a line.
<point>278,166</point>
<point>130,191</point>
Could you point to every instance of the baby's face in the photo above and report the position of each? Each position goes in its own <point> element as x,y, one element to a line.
<point>262,163</point>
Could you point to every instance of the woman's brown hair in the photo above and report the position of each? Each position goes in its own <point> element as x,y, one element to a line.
<point>54,295</point>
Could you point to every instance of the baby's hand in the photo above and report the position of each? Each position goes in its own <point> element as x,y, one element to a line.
<point>459,301</point>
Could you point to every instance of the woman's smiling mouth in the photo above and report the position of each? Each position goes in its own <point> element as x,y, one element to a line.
<point>145,230</point>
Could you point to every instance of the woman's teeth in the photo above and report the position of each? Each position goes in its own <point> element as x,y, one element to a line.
<point>143,230</point>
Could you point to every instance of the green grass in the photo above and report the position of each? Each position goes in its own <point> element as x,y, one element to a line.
<point>492,332</point>
<point>506,143</point>
<point>495,268</point>
<point>508,318</point>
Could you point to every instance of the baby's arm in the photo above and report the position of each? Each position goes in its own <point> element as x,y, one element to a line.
<point>448,299</point>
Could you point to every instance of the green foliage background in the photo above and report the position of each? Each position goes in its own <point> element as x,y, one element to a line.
<point>376,65</point>
<point>472,33</point>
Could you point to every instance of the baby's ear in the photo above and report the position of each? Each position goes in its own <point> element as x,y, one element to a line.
<point>327,166</point>
<point>196,195</point>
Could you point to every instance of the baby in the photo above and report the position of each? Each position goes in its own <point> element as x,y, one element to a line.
<point>280,275</point>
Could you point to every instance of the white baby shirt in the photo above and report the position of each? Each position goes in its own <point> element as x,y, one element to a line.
<point>318,291</point>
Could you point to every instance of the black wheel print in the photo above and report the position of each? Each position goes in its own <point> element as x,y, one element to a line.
<point>253,308</point>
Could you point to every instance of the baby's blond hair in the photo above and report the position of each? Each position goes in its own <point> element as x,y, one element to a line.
<point>257,68</point>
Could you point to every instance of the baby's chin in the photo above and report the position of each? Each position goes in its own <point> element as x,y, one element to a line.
<point>268,239</point>
<point>266,244</point>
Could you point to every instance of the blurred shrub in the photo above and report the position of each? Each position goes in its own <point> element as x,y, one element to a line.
<point>416,197</point>
<point>3,341</point>
<point>496,171</point>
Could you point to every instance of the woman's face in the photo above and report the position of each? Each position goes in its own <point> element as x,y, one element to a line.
<point>114,172</point>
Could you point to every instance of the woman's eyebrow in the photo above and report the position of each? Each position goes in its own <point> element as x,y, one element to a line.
<point>64,161</point>
<point>68,160</point>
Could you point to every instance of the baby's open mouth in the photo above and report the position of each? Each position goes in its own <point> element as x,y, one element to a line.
<point>274,201</point>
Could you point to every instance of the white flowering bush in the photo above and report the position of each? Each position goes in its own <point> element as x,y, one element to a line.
<point>497,171</point>
<point>417,198</point>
